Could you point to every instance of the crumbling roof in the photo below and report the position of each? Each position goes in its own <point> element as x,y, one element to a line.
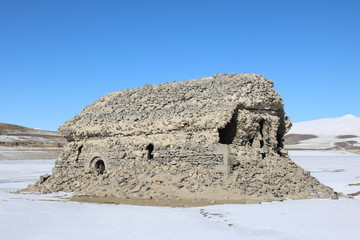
<point>192,105</point>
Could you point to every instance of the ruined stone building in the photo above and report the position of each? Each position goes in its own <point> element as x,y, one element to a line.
<point>215,138</point>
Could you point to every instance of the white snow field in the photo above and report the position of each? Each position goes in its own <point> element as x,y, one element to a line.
<point>31,216</point>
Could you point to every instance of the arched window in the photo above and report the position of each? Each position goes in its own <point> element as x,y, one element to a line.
<point>99,166</point>
<point>150,149</point>
<point>228,133</point>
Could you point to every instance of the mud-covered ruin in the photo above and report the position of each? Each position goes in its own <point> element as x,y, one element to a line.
<point>217,138</point>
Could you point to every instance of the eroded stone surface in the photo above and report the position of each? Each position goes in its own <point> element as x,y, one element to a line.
<point>213,138</point>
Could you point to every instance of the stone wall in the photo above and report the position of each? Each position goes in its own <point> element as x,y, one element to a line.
<point>213,138</point>
<point>193,105</point>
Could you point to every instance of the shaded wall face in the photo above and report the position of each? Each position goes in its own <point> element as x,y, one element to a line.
<point>228,133</point>
<point>255,128</point>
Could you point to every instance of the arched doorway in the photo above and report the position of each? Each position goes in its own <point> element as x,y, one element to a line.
<point>227,134</point>
<point>98,165</point>
<point>150,149</point>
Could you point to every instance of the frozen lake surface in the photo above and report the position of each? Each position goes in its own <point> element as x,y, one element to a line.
<point>31,216</point>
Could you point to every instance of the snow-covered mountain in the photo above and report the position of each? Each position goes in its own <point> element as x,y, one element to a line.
<point>341,133</point>
<point>346,125</point>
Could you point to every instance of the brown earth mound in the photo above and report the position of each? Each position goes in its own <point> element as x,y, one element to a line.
<point>346,136</point>
<point>293,139</point>
<point>20,143</point>
<point>14,136</point>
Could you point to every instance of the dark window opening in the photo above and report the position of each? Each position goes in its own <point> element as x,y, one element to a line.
<point>79,152</point>
<point>280,134</point>
<point>150,149</point>
<point>261,143</point>
<point>280,141</point>
<point>100,166</point>
<point>228,133</point>
<point>262,122</point>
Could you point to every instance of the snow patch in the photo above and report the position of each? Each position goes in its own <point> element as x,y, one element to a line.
<point>31,216</point>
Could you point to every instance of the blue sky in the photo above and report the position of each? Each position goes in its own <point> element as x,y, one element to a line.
<point>56,57</point>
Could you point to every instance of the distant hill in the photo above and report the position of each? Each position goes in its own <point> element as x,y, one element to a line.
<point>14,135</point>
<point>341,133</point>
<point>18,142</point>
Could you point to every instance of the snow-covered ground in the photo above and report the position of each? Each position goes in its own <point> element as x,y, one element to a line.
<point>333,168</point>
<point>30,216</point>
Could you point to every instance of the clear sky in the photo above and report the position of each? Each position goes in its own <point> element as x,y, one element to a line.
<point>56,57</point>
